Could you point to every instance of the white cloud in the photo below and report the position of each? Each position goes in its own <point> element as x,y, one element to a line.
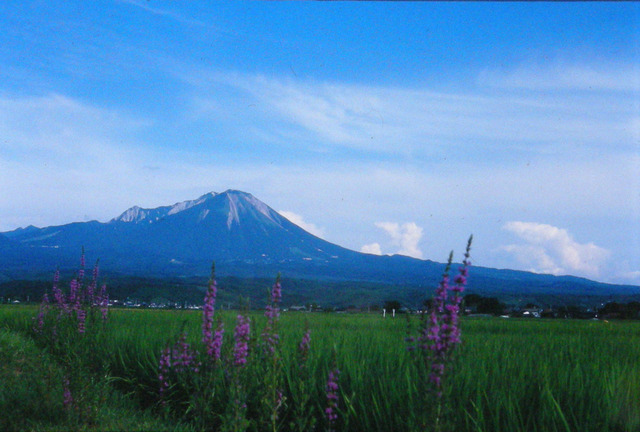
<point>535,257</point>
<point>405,236</point>
<point>607,76</point>
<point>299,220</point>
<point>549,249</point>
<point>373,248</point>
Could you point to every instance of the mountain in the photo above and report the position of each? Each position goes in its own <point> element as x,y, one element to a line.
<point>245,238</point>
<point>231,228</point>
<point>5,242</point>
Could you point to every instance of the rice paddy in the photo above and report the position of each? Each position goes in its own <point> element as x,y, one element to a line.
<point>507,375</point>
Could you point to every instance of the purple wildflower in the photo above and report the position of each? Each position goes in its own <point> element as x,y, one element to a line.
<point>42,312</point>
<point>73,291</point>
<point>442,332</point>
<point>241,335</point>
<point>276,292</point>
<point>58,296</point>
<point>272,312</point>
<point>91,289</point>
<point>81,316</point>
<point>216,345</point>
<point>67,398</point>
<point>303,347</point>
<point>183,356</point>
<point>279,398</point>
<point>332,398</point>
<point>410,340</point>
<point>179,359</point>
<point>75,299</point>
<point>208,338</point>
<point>271,340</point>
<point>164,367</point>
<point>437,333</point>
<point>81,271</point>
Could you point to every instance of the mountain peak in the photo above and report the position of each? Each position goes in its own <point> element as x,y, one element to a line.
<point>134,214</point>
<point>243,203</point>
<point>238,203</point>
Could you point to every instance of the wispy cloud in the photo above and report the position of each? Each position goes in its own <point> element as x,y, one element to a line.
<point>548,249</point>
<point>420,121</point>
<point>63,137</point>
<point>163,12</point>
<point>565,76</point>
<point>57,151</point>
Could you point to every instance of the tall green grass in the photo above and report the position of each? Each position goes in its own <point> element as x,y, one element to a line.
<point>31,392</point>
<point>509,375</point>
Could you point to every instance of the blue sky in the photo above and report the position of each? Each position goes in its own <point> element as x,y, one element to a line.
<point>385,127</point>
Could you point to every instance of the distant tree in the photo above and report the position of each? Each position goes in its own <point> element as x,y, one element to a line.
<point>629,310</point>
<point>484,305</point>
<point>634,309</point>
<point>392,304</point>
<point>491,305</point>
<point>472,299</point>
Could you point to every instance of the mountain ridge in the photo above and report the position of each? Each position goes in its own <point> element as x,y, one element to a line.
<point>246,238</point>
<point>138,214</point>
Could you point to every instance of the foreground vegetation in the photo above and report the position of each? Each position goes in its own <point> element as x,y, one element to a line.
<point>510,375</point>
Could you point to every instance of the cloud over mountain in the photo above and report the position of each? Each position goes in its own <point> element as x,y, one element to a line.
<point>406,237</point>
<point>373,248</point>
<point>299,220</point>
<point>548,249</point>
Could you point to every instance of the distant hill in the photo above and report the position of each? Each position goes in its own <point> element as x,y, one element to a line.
<point>246,239</point>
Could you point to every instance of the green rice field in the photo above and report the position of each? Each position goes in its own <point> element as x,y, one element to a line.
<point>507,375</point>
